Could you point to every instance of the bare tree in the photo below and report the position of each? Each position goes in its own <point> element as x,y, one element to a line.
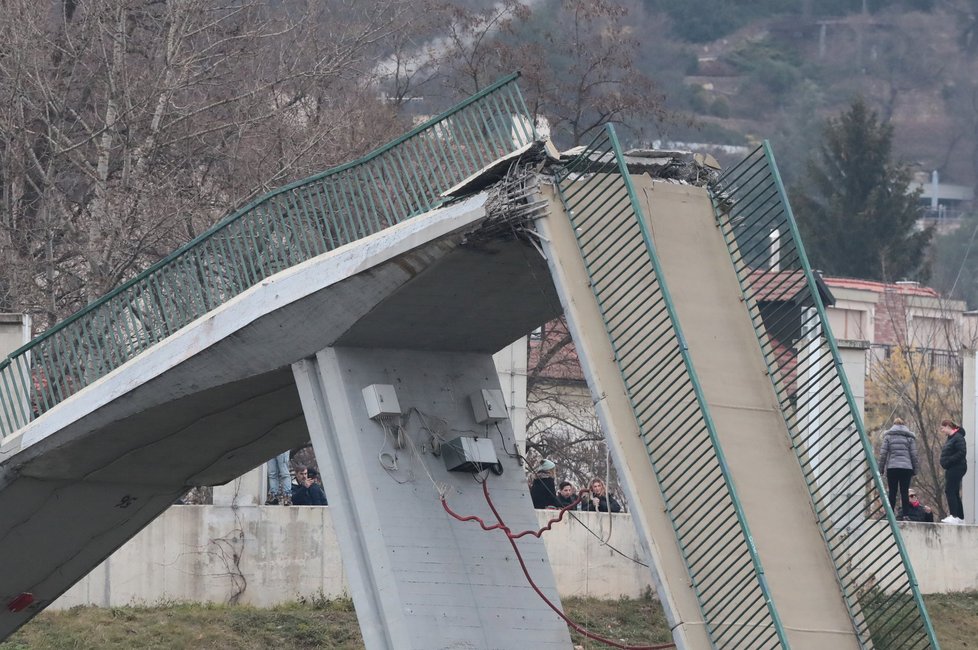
<point>583,72</point>
<point>579,60</point>
<point>920,380</point>
<point>129,126</point>
<point>562,424</point>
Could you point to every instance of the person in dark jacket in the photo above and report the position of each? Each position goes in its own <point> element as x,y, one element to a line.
<point>566,494</point>
<point>308,492</point>
<point>918,511</point>
<point>954,461</point>
<point>543,490</point>
<point>898,462</point>
<point>598,500</point>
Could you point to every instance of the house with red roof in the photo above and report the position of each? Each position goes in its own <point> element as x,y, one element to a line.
<point>887,315</point>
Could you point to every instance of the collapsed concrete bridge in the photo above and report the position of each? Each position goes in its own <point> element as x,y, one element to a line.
<point>361,308</point>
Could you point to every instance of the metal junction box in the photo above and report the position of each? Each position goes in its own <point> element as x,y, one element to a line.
<point>381,401</point>
<point>488,406</point>
<point>467,454</point>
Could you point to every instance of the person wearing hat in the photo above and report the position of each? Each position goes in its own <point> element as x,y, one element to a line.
<point>543,489</point>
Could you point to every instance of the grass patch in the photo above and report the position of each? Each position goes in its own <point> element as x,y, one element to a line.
<point>186,625</point>
<point>323,623</point>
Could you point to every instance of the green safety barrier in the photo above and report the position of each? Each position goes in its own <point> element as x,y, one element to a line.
<point>281,229</point>
<point>783,298</point>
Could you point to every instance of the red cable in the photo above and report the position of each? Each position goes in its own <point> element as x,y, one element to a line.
<point>519,556</point>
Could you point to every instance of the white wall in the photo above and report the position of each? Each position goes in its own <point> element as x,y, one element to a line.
<point>207,553</point>
<point>270,555</point>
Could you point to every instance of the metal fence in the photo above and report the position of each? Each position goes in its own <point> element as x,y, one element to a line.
<point>689,465</point>
<point>288,226</point>
<point>826,432</point>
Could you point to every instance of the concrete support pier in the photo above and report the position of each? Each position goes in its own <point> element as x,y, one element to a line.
<point>418,577</point>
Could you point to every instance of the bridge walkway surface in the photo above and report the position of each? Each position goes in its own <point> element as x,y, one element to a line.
<point>745,411</point>
<point>700,330</point>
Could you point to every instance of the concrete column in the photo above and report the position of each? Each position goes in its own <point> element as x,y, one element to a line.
<point>969,409</point>
<point>853,355</point>
<point>419,578</point>
<point>246,490</point>
<point>15,331</point>
<point>511,367</point>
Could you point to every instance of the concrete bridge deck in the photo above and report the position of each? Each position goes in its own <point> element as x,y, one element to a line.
<point>421,306</point>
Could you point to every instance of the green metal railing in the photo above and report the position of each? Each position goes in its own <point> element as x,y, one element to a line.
<point>782,296</point>
<point>278,230</point>
<point>689,465</point>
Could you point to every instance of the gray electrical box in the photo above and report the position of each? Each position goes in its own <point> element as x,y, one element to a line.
<point>488,406</point>
<point>467,454</point>
<point>381,401</point>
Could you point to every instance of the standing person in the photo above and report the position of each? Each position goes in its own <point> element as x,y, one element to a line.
<point>279,481</point>
<point>954,461</point>
<point>898,462</point>
<point>598,500</point>
<point>307,491</point>
<point>543,491</point>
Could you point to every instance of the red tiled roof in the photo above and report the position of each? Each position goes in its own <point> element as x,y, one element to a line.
<point>780,286</point>
<point>910,289</point>
<point>559,354</point>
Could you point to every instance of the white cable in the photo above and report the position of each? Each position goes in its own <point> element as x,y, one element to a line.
<point>441,488</point>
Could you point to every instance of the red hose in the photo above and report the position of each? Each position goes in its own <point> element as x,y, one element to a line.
<point>512,537</point>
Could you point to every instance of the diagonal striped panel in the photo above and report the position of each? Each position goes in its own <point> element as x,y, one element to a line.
<point>785,307</point>
<point>723,566</point>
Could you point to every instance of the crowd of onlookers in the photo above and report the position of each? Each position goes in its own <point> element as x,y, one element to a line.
<point>899,463</point>
<point>545,493</point>
<point>301,486</point>
<point>294,480</point>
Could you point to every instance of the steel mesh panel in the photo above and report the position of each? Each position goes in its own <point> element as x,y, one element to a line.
<point>279,230</point>
<point>782,297</point>
<point>723,567</point>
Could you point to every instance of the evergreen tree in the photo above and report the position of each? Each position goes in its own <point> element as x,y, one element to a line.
<point>954,260</point>
<point>856,213</point>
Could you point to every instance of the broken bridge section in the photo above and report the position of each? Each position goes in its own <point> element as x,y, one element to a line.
<point>699,326</point>
<point>732,458</point>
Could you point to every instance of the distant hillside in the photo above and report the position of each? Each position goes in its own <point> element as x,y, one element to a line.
<point>778,77</point>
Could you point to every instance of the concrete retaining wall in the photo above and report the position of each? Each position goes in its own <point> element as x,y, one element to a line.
<point>268,555</point>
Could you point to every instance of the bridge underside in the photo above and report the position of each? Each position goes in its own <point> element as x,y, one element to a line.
<point>219,397</point>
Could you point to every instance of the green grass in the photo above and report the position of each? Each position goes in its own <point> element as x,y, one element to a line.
<point>321,623</point>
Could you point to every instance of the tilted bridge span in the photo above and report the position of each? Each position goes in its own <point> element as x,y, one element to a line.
<point>361,308</point>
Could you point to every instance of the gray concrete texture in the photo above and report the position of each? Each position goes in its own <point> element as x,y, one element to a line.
<point>418,577</point>
<point>218,397</point>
